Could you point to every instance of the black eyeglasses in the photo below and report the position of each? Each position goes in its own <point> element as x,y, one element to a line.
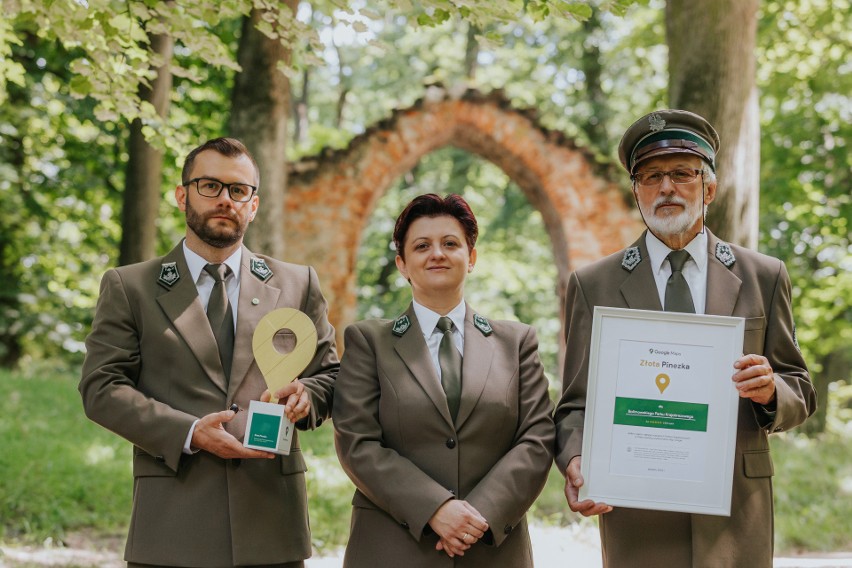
<point>678,176</point>
<point>209,187</point>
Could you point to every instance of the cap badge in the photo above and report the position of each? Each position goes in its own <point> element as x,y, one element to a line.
<point>725,254</point>
<point>169,274</point>
<point>632,258</point>
<point>260,269</point>
<point>401,325</point>
<point>656,122</point>
<point>482,325</point>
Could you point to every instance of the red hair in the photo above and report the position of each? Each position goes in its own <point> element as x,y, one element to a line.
<point>432,205</point>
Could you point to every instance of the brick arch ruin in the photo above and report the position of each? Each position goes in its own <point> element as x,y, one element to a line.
<point>330,197</point>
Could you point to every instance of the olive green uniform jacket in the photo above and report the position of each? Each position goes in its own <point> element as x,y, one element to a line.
<point>752,286</point>
<point>397,442</point>
<point>152,368</point>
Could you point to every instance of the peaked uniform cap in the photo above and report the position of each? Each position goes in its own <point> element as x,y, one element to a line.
<point>668,131</point>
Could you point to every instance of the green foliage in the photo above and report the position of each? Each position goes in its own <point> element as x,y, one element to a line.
<point>60,472</point>
<point>813,492</point>
<point>61,170</point>
<point>329,490</point>
<point>806,170</point>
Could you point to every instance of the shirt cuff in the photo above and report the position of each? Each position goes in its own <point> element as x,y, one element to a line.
<point>187,449</point>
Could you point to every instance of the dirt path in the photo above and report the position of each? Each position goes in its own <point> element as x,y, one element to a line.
<point>552,547</point>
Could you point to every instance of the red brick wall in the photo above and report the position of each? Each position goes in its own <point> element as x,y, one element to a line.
<point>330,197</point>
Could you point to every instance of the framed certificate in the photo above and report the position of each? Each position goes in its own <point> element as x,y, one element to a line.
<point>661,410</point>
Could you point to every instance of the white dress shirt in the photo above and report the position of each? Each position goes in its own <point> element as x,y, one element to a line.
<point>428,321</point>
<point>694,271</point>
<point>204,283</point>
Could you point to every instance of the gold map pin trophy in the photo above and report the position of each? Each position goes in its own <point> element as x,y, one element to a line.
<point>267,428</point>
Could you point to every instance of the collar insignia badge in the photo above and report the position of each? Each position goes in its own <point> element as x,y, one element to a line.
<point>482,325</point>
<point>401,325</point>
<point>632,258</point>
<point>168,274</point>
<point>260,269</point>
<point>725,254</point>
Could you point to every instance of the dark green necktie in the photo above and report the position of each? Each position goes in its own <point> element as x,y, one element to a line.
<point>220,315</point>
<point>451,365</point>
<point>678,297</point>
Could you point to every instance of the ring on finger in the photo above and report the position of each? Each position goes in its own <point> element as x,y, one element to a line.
<point>464,538</point>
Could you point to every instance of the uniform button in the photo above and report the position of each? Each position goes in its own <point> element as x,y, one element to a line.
<point>453,491</point>
<point>508,529</point>
<point>404,525</point>
<point>451,443</point>
<point>160,459</point>
<point>237,462</point>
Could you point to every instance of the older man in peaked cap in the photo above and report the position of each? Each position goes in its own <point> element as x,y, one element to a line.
<point>679,265</point>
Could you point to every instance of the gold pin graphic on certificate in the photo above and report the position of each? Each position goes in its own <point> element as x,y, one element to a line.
<point>663,382</point>
<point>267,428</point>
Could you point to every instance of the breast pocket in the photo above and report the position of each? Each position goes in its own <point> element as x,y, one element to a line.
<point>755,331</point>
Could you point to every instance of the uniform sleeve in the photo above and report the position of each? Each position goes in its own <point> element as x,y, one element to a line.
<point>110,375</point>
<point>571,408</point>
<point>390,481</point>
<point>794,392</point>
<point>320,375</point>
<point>505,494</point>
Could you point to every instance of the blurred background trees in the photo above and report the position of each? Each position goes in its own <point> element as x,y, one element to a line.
<point>101,103</point>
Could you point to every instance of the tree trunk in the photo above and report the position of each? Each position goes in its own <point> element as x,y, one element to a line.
<point>592,66</point>
<point>301,121</point>
<point>471,52</point>
<point>259,107</point>
<point>143,186</point>
<point>712,73</point>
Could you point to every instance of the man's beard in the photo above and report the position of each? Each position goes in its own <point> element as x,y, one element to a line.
<point>215,236</point>
<point>671,225</point>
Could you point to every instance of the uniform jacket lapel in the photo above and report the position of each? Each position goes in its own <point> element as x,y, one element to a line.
<point>412,350</point>
<point>182,306</point>
<point>476,366</point>
<point>249,314</point>
<point>639,288</point>
<point>723,286</point>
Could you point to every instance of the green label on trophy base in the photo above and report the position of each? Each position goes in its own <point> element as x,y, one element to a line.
<point>661,414</point>
<point>267,429</point>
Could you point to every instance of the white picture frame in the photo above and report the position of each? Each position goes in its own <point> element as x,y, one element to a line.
<point>661,410</point>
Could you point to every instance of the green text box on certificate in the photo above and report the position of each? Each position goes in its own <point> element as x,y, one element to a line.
<point>661,411</point>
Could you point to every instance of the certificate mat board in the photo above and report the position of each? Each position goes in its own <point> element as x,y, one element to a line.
<point>661,410</point>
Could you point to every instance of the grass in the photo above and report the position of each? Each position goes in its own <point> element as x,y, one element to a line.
<point>59,471</point>
<point>813,492</point>
<point>62,474</point>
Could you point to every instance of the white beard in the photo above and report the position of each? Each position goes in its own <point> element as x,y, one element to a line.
<point>671,225</point>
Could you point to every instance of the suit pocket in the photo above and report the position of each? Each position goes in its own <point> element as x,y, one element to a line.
<point>294,463</point>
<point>146,465</point>
<point>758,463</point>
<point>755,329</point>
